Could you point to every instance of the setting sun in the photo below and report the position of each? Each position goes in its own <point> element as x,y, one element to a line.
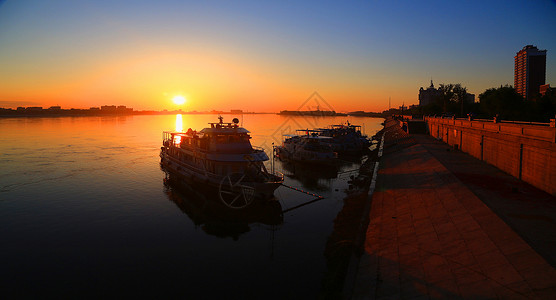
<point>179,100</point>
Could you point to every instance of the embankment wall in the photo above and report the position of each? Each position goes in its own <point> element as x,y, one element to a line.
<point>525,151</point>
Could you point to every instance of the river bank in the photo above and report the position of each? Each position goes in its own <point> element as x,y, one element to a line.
<point>436,231</point>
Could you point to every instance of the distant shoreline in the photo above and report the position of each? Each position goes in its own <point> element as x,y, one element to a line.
<point>85,113</point>
<point>10,113</point>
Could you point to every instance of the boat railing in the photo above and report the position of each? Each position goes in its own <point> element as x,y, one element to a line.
<point>258,149</point>
<point>280,175</point>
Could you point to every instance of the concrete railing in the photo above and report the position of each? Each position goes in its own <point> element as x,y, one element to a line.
<point>524,150</point>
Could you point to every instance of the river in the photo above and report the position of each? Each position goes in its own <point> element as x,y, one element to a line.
<point>85,211</point>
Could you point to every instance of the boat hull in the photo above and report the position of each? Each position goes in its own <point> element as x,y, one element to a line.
<point>307,157</point>
<point>262,189</point>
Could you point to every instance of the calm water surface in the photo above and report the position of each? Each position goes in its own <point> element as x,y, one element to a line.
<point>85,210</point>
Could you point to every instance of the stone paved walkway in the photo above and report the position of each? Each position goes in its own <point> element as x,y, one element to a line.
<point>432,237</point>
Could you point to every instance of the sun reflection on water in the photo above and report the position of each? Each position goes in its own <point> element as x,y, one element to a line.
<point>179,123</point>
<point>179,128</point>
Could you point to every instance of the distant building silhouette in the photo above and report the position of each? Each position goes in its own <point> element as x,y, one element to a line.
<point>33,109</point>
<point>113,109</point>
<point>429,95</point>
<point>530,71</point>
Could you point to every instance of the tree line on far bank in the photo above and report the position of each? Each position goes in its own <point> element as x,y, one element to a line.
<point>503,102</point>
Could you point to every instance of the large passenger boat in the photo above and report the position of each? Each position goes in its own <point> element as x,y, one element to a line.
<point>221,157</point>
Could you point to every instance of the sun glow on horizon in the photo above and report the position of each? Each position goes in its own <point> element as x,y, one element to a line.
<point>179,100</point>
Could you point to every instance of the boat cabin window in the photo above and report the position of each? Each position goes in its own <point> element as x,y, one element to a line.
<point>230,143</point>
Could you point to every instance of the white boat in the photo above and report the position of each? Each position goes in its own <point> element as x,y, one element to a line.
<point>346,139</point>
<point>307,148</point>
<point>220,157</point>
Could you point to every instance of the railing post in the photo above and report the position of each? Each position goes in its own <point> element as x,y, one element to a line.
<point>482,146</point>
<point>520,159</point>
<point>553,125</point>
<point>461,139</point>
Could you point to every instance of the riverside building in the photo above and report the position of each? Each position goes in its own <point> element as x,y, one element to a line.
<point>429,95</point>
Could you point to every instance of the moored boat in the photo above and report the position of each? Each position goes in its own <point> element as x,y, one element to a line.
<point>346,139</point>
<point>220,156</point>
<point>306,148</point>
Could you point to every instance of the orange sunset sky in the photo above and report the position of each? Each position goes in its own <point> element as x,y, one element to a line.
<point>258,57</point>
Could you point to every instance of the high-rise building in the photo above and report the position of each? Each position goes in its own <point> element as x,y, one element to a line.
<point>530,71</point>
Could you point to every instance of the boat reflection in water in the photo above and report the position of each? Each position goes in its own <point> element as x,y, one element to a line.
<point>314,178</point>
<point>317,177</point>
<point>203,207</point>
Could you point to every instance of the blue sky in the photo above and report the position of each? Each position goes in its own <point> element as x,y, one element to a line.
<point>356,54</point>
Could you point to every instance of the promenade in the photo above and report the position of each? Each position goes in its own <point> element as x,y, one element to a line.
<point>444,225</point>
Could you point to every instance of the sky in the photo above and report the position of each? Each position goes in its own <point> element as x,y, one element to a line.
<point>262,56</point>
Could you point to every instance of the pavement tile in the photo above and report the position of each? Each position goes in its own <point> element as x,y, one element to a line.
<point>539,278</point>
<point>403,214</point>
<point>408,250</point>
<point>505,237</point>
<point>547,293</point>
<point>464,258</point>
<point>457,213</point>
<point>436,269</point>
<point>467,274</point>
<point>525,260</point>
<point>445,225</point>
<point>409,239</point>
<point>517,289</point>
<point>431,246</point>
<point>479,246</point>
<point>449,237</point>
<point>504,292</point>
<point>423,227</point>
<point>477,290</point>
<point>406,229</point>
<point>491,260</point>
<point>503,274</point>
<point>455,249</point>
<point>465,223</point>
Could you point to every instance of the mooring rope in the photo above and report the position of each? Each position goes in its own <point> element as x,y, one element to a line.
<point>302,191</point>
